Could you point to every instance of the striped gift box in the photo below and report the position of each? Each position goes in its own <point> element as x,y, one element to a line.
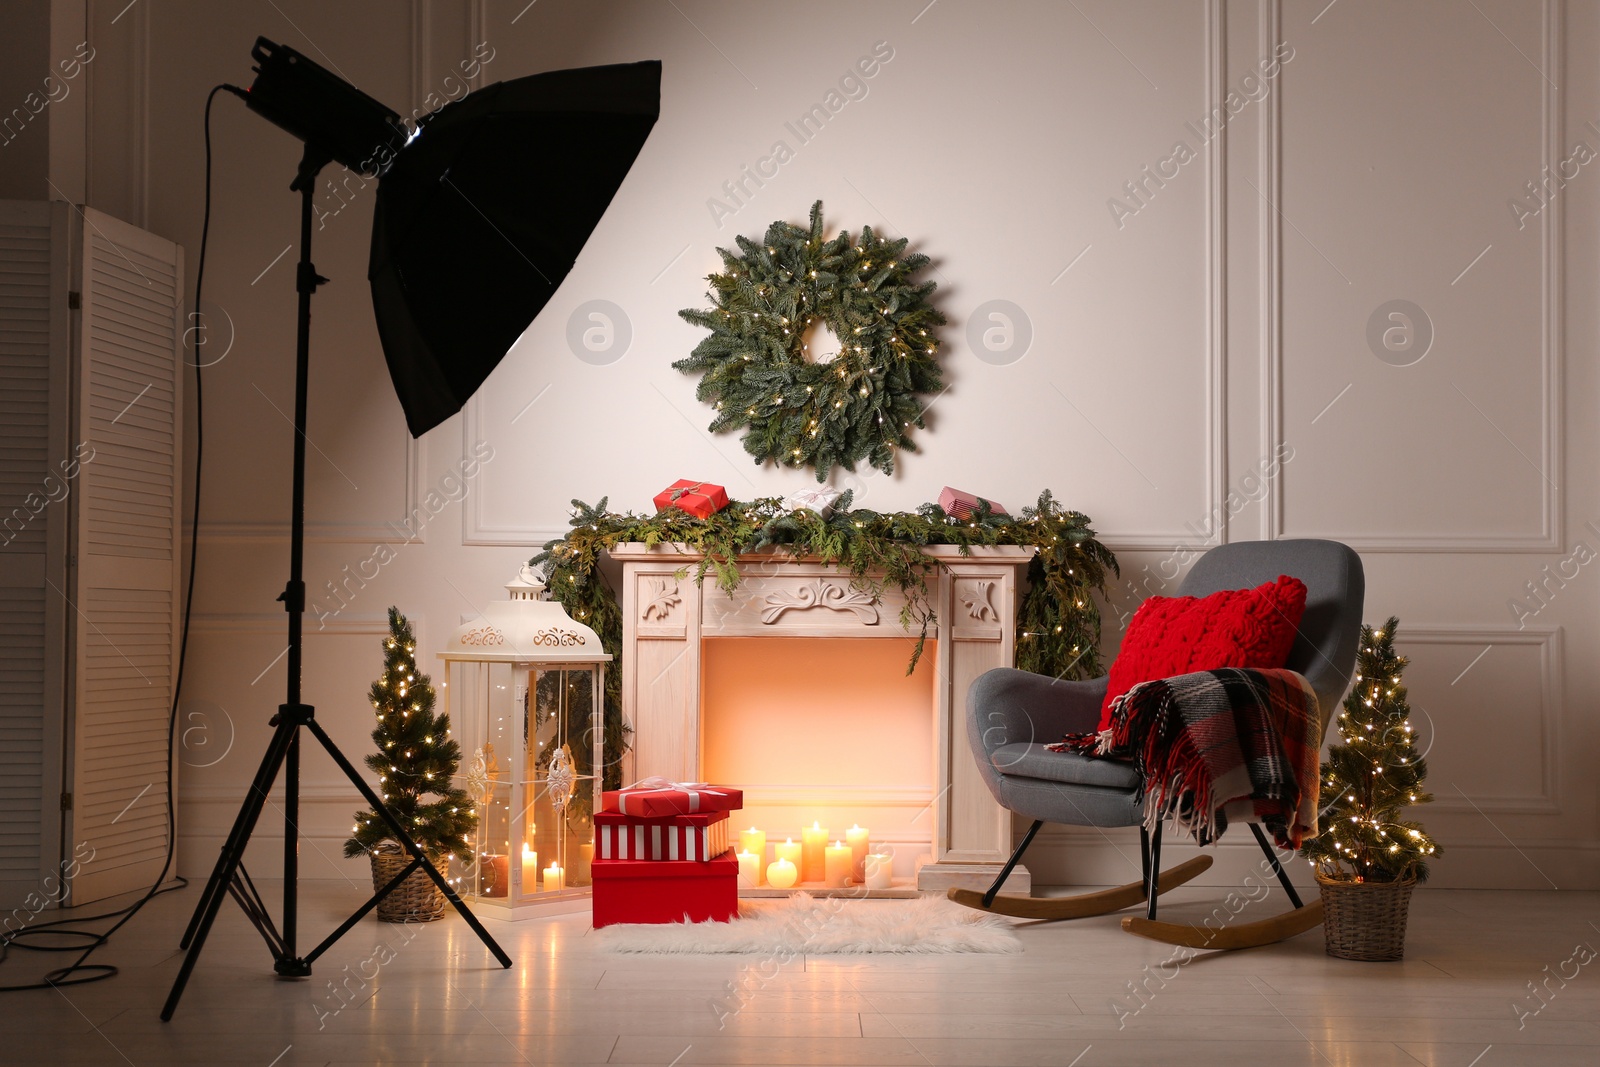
<point>681,837</point>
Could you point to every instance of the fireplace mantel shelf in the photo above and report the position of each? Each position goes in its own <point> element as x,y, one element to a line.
<point>973,596</point>
<point>677,550</point>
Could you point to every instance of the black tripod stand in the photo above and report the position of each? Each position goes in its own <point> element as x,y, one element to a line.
<point>283,753</point>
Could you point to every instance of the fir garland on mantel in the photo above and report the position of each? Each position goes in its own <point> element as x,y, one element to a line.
<point>1058,621</point>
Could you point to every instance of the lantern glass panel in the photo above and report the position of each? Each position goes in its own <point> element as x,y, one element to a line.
<point>532,742</point>
<point>560,794</point>
<point>495,862</point>
<point>486,718</point>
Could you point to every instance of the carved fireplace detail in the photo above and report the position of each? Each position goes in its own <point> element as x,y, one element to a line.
<point>666,618</point>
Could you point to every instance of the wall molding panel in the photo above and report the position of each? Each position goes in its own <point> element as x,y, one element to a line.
<point>327,532</point>
<point>273,624</point>
<point>1217,283</point>
<point>475,529</point>
<point>126,182</point>
<point>1552,296</point>
<point>1545,798</point>
<point>1215,221</point>
<point>1269,172</point>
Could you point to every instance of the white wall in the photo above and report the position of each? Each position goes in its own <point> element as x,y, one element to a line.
<point>1175,348</point>
<point>25,101</point>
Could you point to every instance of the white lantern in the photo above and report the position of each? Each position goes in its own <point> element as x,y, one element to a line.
<point>526,697</point>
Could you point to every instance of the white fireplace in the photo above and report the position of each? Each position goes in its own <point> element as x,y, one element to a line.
<point>794,689</point>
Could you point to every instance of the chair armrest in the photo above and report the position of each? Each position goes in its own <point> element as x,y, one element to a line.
<point>1006,706</point>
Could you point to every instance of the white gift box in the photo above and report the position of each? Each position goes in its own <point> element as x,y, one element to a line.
<point>684,837</point>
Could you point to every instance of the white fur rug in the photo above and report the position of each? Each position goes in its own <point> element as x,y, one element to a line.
<point>805,925</point>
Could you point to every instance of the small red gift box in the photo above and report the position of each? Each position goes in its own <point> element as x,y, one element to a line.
<point>700,499</point>
<point>960,504</point>
<point>682,837</point>
<point>657,798</point>
<point>646,891</point>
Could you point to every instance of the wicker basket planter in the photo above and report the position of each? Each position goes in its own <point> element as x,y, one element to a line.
<point>1365,920</point>
<point>415,900</point>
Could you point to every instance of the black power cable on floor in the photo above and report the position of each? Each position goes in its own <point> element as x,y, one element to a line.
<point>79,971</point>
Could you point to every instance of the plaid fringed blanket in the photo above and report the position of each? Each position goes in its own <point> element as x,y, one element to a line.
<point>1215,744</point>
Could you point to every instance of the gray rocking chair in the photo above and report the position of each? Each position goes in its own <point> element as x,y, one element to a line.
<point>1013,715</point>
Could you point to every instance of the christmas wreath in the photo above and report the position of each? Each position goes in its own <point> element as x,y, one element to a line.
<point>755,365</point>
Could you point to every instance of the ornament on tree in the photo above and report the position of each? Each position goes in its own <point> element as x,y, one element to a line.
<point>758,373</point>
<point>1372,775</point>
<point>416,761</point>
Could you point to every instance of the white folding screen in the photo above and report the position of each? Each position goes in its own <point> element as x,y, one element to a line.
<point>90,595</point>
<point>35,349</point>
<point>129,415</point>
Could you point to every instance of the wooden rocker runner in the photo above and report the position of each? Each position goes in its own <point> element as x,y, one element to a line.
<point>1084,905</point>
<point>1236,935</point>
<point>1013,715</point>
<point>1246,935</point>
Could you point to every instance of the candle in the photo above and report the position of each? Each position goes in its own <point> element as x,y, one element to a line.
<point>753,840</point>
<point>554,878</point>
<point>749,870</point>
<point>790,851</point>
<point>837,861</point>
<point>530,868</point>
<point>857,836</point>
<point>782,874</point>
<point>879,870</point>
<point>814,840</point>
<point>585,859</point>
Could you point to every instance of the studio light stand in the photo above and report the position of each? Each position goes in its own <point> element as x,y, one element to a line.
<point>229,877</point>
<point>480,212</point>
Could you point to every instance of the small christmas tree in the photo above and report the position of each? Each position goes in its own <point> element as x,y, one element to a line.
<point>1372,775</point>
<point>416,758</point>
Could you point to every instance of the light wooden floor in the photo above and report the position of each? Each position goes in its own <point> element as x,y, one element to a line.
<point>436,997</point>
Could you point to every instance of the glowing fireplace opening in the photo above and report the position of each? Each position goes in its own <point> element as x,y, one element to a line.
<point>878,746</point>
<point>824,729</point>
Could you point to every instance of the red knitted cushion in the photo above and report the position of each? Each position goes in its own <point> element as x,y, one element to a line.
<point>1230,628</point>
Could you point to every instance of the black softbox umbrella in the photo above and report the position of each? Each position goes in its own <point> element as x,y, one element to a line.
<point>481,216</point>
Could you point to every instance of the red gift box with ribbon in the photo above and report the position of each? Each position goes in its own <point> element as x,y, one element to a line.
<point>700,499</point>
<point>645,891</point>
<point>960,504</point>
<point>682,837</point>
<point>658,798</point>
